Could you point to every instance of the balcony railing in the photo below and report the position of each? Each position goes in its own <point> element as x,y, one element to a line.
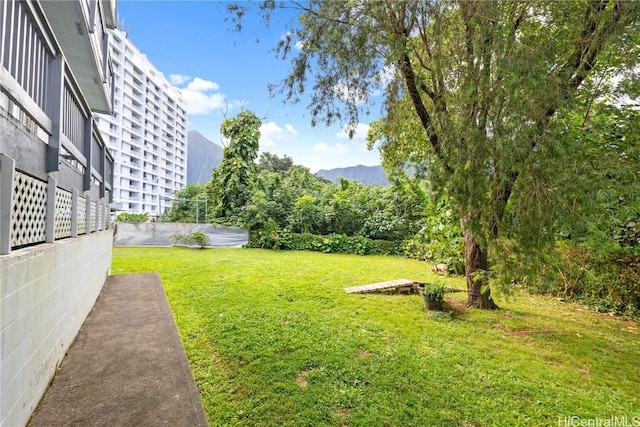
<point>67,190</point>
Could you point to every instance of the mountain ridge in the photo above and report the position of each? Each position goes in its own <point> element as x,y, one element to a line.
<point>203,156</point>
<point>367,175</point>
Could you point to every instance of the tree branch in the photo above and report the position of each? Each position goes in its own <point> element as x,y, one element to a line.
<point>421,110</point>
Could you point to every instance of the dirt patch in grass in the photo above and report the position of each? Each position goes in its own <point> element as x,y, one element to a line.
<point>522,333</point>
<point>455,305</point>
<point>341,414</point>
<point>363,354</point>
<point>301,379</point>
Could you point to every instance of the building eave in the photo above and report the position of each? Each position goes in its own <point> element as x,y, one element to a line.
<point>110,14</point>
<point>69,24</point>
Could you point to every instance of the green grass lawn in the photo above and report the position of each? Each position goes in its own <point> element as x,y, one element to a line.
<point>273,340</point>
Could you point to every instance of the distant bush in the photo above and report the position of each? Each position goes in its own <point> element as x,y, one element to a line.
<point>196,238</point>
<point>608,283</point>
<point>133,218</point>
<point>450,252</point>
<point>272,238</point>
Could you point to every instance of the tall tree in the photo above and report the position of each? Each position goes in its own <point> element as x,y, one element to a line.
<point>232,182</point>
<point>475,86</point>
<point>272,163</point>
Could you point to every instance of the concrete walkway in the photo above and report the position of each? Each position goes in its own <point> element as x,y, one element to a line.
<point>126,367</point>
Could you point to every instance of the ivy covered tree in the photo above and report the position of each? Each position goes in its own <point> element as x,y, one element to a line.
<point>232,182</point>
<point>474,90</point>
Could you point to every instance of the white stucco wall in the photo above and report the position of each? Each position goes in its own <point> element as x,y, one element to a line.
<point>46,293</point>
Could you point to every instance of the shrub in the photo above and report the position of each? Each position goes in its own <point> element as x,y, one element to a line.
<point>266,237</point>
<point>133,218</point>
<point>270,237</point>
<point>196,238</point>
<point>450,252</point>
<point>607,282</point>
<point>433,295</point>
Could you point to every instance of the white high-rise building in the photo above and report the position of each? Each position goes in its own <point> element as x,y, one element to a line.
<point>146,133</point>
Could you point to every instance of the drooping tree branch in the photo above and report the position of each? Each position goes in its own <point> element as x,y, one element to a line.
<point>596,29</point>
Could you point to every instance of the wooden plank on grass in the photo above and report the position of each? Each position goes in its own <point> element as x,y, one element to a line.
<point>380,286</point>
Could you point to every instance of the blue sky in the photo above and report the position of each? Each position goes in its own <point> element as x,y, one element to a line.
<point>221,71</point>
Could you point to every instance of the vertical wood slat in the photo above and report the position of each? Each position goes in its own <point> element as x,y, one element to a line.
<point>50,234</point>
<point>20,42</point>
<point>3,24</point>
<point>87,214</point>
<point>28,71</point>
<point>15,29</point>
<point>74,212</point>
<point>40,77</point>
<point>101,169</point>
<point>87,151</point>
<point>7,172</point>
<point>56,113</point>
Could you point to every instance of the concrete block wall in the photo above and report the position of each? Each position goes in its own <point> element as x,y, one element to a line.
<point>46,293</point>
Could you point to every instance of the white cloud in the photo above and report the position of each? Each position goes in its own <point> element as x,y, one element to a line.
<point>289,128</point>
<point>178,79</point>
<point>200,85</point>
<point>299,45</point>
<point>323,147</point>
<point>202,97</point>
<point>355,146</point>
<point>271,133</point>
<point>359,134</point>
<point>202,103</point>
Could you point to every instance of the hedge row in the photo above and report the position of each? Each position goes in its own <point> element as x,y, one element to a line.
<point>333,243</point>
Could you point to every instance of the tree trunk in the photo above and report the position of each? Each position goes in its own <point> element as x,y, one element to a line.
<point>476,261</point>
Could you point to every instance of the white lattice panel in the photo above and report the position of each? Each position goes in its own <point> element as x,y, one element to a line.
<point>99,217</point>
<point>92,224</point>
<point>107,220</point>
<point>82,215</point>
<point>64,201</point>
<point>29,210</point>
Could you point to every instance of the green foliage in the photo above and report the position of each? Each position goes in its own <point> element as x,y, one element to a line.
<point>298,201</point>
<point>232,182</point>
<point>272,163</point>
<point>602,178</point>
<point>183,209</point>
<point>273,340</point>
<point>195,238</point>
<point>270,237</point>
<point>476,94</point>
<point>292,209</point>
<point>266,237</point>
<point>433,295</point>
<point>440,240</point>
<point>306,213</point>
<point>609,282</point>
<point>133,218</point>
